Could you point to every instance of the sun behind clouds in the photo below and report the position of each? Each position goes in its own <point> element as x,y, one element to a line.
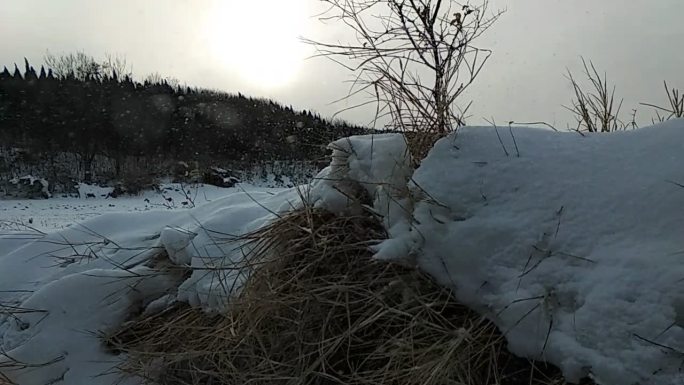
<point>258,39</point>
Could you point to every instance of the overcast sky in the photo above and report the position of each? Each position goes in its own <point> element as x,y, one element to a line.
<point>252,46</point>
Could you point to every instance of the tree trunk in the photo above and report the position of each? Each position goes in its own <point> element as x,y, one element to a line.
<point>88,168</point>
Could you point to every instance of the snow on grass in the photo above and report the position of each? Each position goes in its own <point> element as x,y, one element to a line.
<point>573,247</point>
<point>60,290</point>
<point>58,339</point>
<point>379,163</point>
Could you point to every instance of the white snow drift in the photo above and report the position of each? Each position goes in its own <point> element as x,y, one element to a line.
<point>571,244</point>
<point>60,292</point>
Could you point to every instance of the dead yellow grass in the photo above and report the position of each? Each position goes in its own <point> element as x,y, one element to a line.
<point>318,310</point>
<point>421,142</point>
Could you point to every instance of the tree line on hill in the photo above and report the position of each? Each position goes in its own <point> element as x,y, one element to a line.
<point>98,112</point>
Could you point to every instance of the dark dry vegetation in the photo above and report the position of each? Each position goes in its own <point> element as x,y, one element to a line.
<point>318,310</point>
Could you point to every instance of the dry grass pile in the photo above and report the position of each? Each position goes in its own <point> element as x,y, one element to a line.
<point>421,142</point>
<point>318,310</point>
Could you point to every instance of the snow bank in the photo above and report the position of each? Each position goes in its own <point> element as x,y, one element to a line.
<point>573,247</point>
<point>380,165</point>
<point>212,250</point>
<point>59,292</point>
<point>59,338</point>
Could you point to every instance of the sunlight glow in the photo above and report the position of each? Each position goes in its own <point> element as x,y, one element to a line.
<point>258,39</point>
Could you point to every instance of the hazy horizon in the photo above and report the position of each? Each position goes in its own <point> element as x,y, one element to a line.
<point>253,47</point>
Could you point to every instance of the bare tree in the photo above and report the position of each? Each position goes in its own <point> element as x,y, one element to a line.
<point>116,64</point>
<point>154,78</point>
<point>157,78</point>
<point>83,66</point>
<point>414,57</point>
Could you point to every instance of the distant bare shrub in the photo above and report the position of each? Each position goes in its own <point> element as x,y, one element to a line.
<point>595,110</point>
<point>676,109</point>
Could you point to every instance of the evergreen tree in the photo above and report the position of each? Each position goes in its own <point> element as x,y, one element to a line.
<point>106,114</point>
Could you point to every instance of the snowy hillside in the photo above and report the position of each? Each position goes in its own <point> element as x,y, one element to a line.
<point>571,244</point>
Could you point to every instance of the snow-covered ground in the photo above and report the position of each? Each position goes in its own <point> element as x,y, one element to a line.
<point>60,290</point>
<point>571,244</point>
<point>62,211</point>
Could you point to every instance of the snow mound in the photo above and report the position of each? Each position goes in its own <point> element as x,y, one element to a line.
<point>176,242</point>
<point>378,164</point>
<point>60,292</point>
<point>59,338</point>
<point>571,244</point>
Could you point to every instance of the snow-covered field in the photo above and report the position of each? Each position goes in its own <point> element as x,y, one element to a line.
<point>571,244</point>
<point>59,212</point>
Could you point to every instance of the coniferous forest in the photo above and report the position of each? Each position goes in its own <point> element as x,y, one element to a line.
<point>102,114</point>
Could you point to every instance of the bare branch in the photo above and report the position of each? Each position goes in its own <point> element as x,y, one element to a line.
<point>415,57</point>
